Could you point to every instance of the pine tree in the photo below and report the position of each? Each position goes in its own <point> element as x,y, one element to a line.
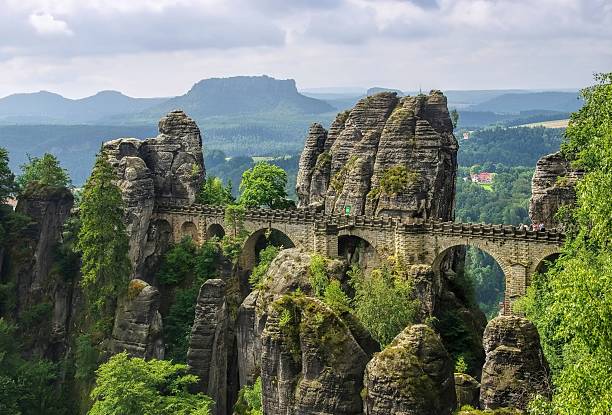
<point>102,239</point>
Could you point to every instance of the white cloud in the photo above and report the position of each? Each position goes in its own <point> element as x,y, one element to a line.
<point>46,24</point>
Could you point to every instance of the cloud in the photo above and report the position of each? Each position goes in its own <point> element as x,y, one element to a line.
<point>77,45</point>
<point>46,24</point>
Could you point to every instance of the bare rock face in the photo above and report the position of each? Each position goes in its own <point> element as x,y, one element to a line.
<point>412,376</point>
<point>387,156</point>
<point>32,262</point>
<point>515,369</point>
<point>552,186</point>
<point>138,324</point>
<point>169,167</point>
<point>209,343</point>
<point>310,363</point>
<point>467,389</point>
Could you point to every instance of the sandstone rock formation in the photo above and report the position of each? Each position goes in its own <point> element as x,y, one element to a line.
<point>467,389</point>
<point>209,343</point>
<point>33,258</point>
<point>169,167</point>
<point>138,324</point>
<point>412,376</point>
<point>287,273</point>
<point>515,369</point>
<point>310,362</point>
<point>387,156</point>
<point>552,186</point>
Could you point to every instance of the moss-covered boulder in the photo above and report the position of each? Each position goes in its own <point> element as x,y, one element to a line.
<point>311,363</point>
<point>412,376</point>
<point>515,368</point>
<point>467,389</point>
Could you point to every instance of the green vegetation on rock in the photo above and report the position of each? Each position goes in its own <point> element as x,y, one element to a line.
<point>249,400</point>
<point>384,301</point>
<point>102,240</point>
<point>44,171</point>
<point>214,193</point>
<point>571,305</point>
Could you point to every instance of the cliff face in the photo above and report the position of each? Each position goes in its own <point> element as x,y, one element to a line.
<point>386,156</point>
<point>552,186</point>
<point>38,283</point>
<point>169,167</point>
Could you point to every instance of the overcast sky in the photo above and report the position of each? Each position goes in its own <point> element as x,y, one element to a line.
<point>161,47</point>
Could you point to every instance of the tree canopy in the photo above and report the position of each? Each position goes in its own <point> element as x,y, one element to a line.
<point>45,170</point>
<point>264,186</point>
<point>127,385</point>
<point>572,303</point>
<point>102,239</point>
<point>214,193</point>
<point>7,178</point>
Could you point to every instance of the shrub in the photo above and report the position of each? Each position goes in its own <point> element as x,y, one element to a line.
<point>384,301</point>
<point>266,256</point>
<point>249,400</point>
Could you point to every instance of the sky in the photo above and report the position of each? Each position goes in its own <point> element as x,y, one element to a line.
<point>148,48</point>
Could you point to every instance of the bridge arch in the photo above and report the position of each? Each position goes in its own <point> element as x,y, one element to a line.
<point>546,256</point>
<point>190,229</point>
<point>443,259</point>
<point>215,230</point>
<point>356,249</point>
<point>257,241</point>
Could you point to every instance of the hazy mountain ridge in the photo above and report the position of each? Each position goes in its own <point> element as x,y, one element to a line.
<point>48,107</point>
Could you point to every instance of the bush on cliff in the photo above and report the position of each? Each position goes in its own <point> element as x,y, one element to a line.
<point>127,385</point>
<point>384,301</point>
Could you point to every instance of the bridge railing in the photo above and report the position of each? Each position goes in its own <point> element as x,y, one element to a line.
<point>410,225</point>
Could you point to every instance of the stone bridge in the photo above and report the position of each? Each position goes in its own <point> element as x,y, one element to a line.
<point>519,253</point>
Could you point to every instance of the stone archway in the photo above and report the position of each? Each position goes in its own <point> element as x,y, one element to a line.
<point>493,295</point>
<point>257,241</point>
<point>215,230</point>
<point>542,266</point>
<point>189,229</point>
<point>358,250</point>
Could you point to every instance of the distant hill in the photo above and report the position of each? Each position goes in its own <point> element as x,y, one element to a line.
<point>516,102</point>
<point>239,95</point>
<point>378,89</point>
<point>49,108</point>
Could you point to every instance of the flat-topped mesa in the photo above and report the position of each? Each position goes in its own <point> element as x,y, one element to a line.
<point>552,186</point>
<point>386,156</point>
<point>167,168</point>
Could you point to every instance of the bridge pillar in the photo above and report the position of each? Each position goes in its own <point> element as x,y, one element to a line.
<point>516,285</point>
<point>326,239</point>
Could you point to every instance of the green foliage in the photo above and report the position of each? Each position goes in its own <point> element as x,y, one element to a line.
<point>214,193</point>
<point>127,385</point>
<point>234,217</point>
<point>384,301</point>
<point>187,266</point>
<point>102,239</point>
<point>460,365</point>
<point>7,178</point>
<point>45,171</point>
<point>86,358</point>
<point>396,180</point>
<point>27,387</point>
<point>572,304</point>
<point>178,263</point>
<point>317,275</point>
<point>249,400</point>
<point>513,147</point>
<point>266,256</point>
<point>264,186</point>
<point>335,297</point>
<point>339,178</point>
<point>454,116</point>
